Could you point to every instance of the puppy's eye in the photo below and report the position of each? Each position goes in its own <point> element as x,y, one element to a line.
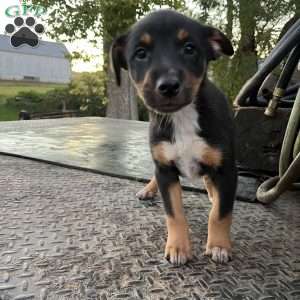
<point>141,53</point>
<point>189,49</point>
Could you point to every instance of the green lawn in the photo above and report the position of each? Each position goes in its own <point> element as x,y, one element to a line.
<point>8,114</point>
<point>11,89</point>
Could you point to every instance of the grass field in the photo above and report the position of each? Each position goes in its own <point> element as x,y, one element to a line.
<point>8,114</point>
<point>11,89</point>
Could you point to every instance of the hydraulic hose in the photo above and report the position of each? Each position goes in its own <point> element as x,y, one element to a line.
<point>290,138</point>
<point>283,81</point>
<point>284,46</point>
<point>289,164</point>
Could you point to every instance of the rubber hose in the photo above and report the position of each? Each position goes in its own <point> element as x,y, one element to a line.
<point>273,60</point>
<point>289,173</point>
<point>272,188</point>
<point>297,145</point>
<point>290,137</point>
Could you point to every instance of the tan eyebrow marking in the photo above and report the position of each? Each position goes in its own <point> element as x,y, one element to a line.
<point>182,34</point>
<point>146,39</point>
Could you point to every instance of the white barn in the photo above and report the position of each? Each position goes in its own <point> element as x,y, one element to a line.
<point>47,63</point>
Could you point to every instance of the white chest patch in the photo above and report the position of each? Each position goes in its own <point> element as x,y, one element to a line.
<point>187,148</point>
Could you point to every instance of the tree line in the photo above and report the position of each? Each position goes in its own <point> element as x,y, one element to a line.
<point>253,26</point>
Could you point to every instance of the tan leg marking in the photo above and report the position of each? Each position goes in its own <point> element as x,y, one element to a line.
<point>149,191</point>
<point>178,248</point>
<point>159,153</point>
<point>218,241</point>
<point>209,187</point>
<point>211,156</point>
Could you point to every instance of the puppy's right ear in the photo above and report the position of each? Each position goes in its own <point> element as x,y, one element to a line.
<point>117,56</point>
<point>219,43</point>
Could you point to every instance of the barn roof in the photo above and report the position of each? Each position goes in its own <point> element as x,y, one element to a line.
<point>44,48</point>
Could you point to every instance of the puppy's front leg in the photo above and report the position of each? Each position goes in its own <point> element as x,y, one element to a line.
<point>178,248</point>
<point>221,192</point>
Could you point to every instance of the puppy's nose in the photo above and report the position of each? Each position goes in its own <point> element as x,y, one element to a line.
<point>168,87</point>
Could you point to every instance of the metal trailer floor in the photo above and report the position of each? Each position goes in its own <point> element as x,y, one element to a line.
<point>70,234</point>
<point>107,146</point>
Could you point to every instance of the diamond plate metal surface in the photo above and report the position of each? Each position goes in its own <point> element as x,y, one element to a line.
<point>69,234</point>
<point>108,146</point>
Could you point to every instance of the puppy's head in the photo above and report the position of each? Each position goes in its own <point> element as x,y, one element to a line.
<point>166,55</point>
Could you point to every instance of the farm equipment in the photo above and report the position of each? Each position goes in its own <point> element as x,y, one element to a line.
<point>268,120</point>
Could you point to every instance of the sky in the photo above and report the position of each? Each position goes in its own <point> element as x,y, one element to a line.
<point>79,45</point>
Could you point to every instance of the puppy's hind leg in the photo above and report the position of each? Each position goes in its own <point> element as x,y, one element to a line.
<point>149,191</point>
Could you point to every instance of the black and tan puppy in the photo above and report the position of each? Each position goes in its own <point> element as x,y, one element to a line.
<point>191,129</point>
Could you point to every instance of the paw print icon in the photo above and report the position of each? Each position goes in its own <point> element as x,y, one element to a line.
<point>24,32</point>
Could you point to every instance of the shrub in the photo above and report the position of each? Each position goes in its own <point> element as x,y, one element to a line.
<point>28,101</point>
<point>89,90</point>
<point>86,92</point>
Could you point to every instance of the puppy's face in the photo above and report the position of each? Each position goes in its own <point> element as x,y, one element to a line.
<point>166,55</point>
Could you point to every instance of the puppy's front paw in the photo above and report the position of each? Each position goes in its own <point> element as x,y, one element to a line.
<point>219,254</point>
<point>178,254</point>
<point>178,249</point>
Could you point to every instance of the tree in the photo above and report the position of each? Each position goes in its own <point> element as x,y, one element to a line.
<point>253,26</point>
<point>106,19</point>
<point>89,90</point>
<point>295,4</point>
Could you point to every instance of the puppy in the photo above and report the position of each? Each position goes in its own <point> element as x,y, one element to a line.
<point>191,124</point>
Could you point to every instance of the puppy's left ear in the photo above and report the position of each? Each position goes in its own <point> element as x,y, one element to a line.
<point>117,56</point>
<point>219,43</point>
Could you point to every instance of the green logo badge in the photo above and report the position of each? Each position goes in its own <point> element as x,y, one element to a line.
<point>25,9</point>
